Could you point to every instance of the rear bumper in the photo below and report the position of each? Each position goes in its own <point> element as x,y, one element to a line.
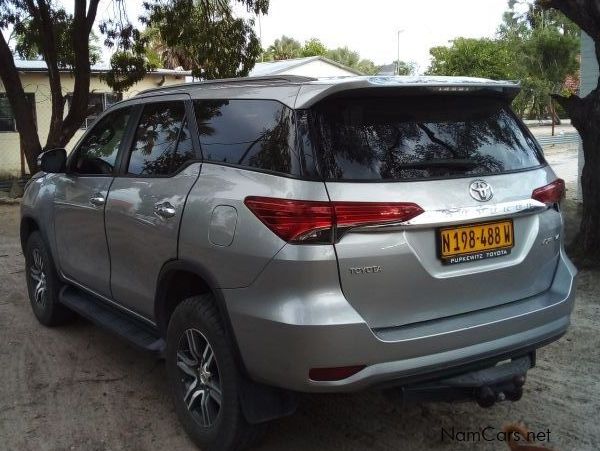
<point>282,331</point>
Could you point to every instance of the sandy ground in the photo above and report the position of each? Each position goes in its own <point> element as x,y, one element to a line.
<point>78,388</point>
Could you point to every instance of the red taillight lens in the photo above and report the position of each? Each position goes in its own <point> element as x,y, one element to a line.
<point>348,214</point>
<point>551,193</point>
<point>294,220</point>
<point>302,221</point>
<point>334,374</point>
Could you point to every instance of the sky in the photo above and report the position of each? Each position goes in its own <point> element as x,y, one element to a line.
<point>371,27</point>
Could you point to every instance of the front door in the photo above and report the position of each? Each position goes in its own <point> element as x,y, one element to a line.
<point>146,202</point>
<point>80,200</point>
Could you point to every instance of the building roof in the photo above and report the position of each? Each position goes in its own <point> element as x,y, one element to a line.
<point>303,92</point>
<point>40,66</point>
<point>281,66</point>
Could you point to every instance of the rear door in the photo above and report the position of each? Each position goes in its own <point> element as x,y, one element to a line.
<point>147,198</point>
<point>480,240</point>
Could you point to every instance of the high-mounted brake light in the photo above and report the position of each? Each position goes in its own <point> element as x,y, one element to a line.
<point>551,193</point>
<point>303,221</point>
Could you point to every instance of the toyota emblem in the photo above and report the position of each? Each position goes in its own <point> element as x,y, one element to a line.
<point>481,190</point>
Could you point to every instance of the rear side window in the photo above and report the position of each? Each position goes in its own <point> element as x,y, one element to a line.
<point>399,138</point>
<point>162,141</point>
<point>252,133</point>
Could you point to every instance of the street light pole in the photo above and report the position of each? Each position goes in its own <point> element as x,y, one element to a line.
<point>398,55</point>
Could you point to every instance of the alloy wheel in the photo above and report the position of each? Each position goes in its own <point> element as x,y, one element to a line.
<point>202,393</point>
<point>38,277</point>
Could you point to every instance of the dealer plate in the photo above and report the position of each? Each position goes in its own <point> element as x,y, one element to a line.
<point>472,242</point>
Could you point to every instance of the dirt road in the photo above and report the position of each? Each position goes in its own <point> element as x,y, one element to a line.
<point>78,388</point>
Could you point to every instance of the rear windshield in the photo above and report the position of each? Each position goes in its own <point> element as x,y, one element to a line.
<point>398,138</point>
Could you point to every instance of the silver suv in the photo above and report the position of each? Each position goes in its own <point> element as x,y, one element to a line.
<point>270,236</point>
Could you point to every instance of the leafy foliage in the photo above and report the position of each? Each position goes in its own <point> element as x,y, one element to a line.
<point>313,47</point>
<point>487,58</point>
<point>538,47</point>
<point>28,39</point>
<point>284,48</point>
<point>205,36</point>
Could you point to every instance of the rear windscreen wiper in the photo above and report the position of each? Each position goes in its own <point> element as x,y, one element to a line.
<point>441,163</point>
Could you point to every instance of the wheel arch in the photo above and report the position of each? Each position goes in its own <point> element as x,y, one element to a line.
<point>180,279</point>
<point>27,227</point>
<point>259,402</point>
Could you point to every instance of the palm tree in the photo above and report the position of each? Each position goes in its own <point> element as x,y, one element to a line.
<point>283,49</point>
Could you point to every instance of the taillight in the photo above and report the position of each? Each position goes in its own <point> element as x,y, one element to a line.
<point>350,214</point>
<point>314,222</point>
<point>294,220</point>
<point>551,193</point>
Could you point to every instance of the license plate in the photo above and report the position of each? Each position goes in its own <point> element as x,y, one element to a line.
<point>469,243</point>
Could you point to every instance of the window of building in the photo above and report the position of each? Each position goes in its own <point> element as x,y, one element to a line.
<point>162,140</point>
<point>97,103</point>
<point>7,118</point>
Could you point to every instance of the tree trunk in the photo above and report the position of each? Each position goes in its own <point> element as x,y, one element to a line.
<point>585,115</point>
<point>20,106</point>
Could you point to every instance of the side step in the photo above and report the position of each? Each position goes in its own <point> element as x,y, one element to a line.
<point>108,317</point>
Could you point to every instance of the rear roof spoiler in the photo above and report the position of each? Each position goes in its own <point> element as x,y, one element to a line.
<point>313,92</point>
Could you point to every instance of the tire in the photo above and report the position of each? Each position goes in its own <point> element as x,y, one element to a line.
<point>210,386</point>
<point>43,284</point>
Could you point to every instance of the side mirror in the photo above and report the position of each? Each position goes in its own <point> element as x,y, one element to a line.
<point>54,160</point>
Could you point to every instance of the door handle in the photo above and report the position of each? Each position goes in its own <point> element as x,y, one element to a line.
<point>165,210</point>
<point>97,200</point>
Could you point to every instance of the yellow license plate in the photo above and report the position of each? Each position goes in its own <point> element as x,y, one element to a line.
<point>468,243</point>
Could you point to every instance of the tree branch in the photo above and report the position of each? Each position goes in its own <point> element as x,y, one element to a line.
<point>81,70</point>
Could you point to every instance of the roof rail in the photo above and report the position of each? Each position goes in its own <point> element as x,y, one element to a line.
<point>231,81</point>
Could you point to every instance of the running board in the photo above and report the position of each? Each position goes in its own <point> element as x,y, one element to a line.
<point>108,317</point>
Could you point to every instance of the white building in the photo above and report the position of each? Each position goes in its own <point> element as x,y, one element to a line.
<point>312,66</point>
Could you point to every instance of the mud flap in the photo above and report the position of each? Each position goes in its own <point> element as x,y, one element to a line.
<point>262,403</point>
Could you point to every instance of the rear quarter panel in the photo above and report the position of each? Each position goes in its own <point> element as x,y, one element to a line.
<point>253,245</point>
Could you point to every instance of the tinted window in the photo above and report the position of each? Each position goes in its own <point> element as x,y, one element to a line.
<point>420,137</point>
<point>98,151</point>
<point>255,133</point>
<point>162,141</point>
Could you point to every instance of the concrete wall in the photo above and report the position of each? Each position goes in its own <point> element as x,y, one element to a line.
<point>37,83</point>
<point>589,81</point>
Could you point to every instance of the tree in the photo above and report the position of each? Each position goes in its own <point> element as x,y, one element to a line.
<point>546,48</point>
<point>284,48</point>
<point>488,58</point>
<point>205,36</point>
<point>344,55</point>
<point>47,27</point>
<point>585,117</point>
<point>405,68</point>
<point>228,46</point>
<point>352,59</point>
<point>313,47</point>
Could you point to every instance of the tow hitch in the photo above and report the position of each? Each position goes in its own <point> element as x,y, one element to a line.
<point>503,382</point>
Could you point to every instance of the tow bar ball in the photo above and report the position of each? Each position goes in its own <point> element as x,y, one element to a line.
<point>487,396</point>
